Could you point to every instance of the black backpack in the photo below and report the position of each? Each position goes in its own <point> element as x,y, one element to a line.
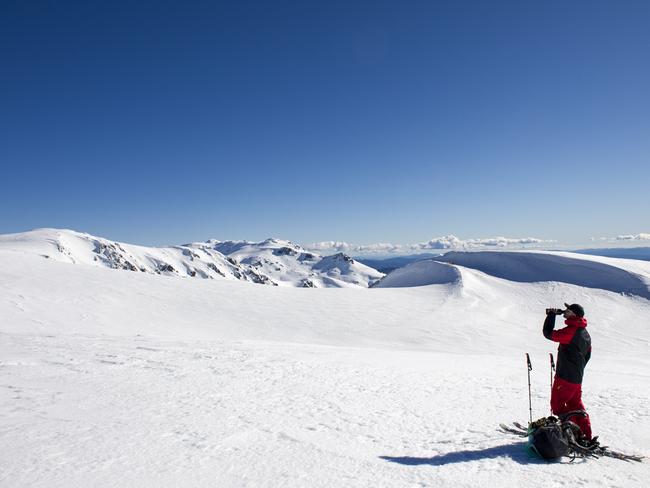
<point>551,438</point>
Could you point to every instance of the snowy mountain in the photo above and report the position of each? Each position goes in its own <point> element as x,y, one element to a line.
<point>136,380</point>
<point>617,275</point>
<point>271,262</point>
<point>79,248</point>
<point>642,253</point>
<point>289,264</point>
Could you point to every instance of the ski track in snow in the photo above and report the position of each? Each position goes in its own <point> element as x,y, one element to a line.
<point>136,411</point>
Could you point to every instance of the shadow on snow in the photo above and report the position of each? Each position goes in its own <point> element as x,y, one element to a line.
<point>517,452</point>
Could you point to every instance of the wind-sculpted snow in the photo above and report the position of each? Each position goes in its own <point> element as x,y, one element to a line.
<point>541,266</point>
<point>421,273</point>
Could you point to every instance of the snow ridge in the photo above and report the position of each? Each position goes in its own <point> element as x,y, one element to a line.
<point>592,272</point>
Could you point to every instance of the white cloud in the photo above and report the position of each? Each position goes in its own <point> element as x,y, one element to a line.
<point>623,238</point>
<point>634,237</point>
<point>336,246</point>
<point>449,242</point>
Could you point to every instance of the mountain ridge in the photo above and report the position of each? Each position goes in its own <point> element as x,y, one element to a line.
<point>272,262</point>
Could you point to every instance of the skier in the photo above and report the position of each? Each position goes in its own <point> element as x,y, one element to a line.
<point>573,354</point>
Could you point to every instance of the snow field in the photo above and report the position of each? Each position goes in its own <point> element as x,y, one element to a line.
<point>114,378</point>
<point>134,411</point>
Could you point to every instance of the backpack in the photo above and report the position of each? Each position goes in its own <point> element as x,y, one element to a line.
<point>551,438</point>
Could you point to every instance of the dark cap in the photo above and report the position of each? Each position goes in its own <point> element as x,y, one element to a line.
<point>576,309</point>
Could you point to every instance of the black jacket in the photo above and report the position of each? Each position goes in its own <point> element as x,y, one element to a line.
<point>574,350</point>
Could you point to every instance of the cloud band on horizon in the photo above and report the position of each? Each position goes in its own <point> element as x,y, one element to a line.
<point>642,236</point>
<point>449,242</point>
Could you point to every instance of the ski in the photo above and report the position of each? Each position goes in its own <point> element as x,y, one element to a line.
<point>595,450</point>
<point>513,430</point>
<point>520,426</point>
<point>605,451</point>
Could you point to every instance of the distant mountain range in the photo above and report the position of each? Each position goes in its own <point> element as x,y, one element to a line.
<point>290,264</point>
<point>642,253</point>
<point>271,262</point>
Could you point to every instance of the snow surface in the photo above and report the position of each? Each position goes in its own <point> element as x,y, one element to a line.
<point>139,380</point>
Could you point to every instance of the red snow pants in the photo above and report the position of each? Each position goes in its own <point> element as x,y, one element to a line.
<point>566,397</point>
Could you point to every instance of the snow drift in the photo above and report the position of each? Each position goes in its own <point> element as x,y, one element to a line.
<point>421,273</point>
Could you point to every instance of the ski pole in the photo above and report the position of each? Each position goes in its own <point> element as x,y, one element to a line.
<point>552,374</point>
<point>530,401</point>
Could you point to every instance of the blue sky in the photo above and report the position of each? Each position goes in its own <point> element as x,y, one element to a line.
<point>166,122</point>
